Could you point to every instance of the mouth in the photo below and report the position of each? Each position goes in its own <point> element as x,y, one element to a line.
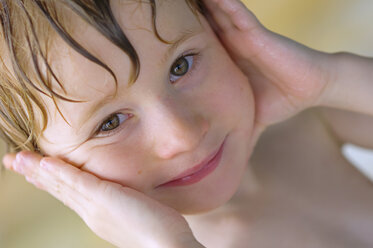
<point>198,172</point>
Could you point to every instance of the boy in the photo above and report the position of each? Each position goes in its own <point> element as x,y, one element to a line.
<point>281,189</point>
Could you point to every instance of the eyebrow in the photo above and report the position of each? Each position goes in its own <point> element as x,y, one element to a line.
<point>97,105</point>
<point>185,35</point>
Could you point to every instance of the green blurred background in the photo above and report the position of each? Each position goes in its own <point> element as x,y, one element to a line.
<point>31,218</point>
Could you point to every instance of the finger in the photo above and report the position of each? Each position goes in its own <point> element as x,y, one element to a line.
<point>72,186</point>
<point>218,19</point>
<point>8,160</point>
<point>77,189</point>
<point>241,17</point>
<point>211,21</point>
<point>71,176</point>
<point>232,14</point>
<point>51,178</point>
<point>24,162</point>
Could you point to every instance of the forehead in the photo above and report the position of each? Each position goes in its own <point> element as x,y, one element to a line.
<point>172,19</point>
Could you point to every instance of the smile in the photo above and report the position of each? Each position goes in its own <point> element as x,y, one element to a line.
<point>198,172</point>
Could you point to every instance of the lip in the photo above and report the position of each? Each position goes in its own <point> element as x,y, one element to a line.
<point>198,172</point>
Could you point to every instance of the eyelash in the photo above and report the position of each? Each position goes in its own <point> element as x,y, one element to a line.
<point>100,133</point>
<point>195,65</point>
<point>196,62</point>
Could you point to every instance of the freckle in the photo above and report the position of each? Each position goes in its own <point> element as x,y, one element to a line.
<point>139,172</point>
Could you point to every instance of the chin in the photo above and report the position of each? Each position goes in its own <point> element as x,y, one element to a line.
<point>194,207</point>
<point>219,187</point>
<point>208,196</point>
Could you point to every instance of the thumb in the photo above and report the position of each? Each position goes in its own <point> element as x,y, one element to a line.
<point>228,15</point>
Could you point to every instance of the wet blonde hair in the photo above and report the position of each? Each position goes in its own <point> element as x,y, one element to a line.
<point>26,30</point>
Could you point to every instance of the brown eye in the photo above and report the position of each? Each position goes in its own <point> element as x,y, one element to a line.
<point>113,122</point>
<point>181,67</point>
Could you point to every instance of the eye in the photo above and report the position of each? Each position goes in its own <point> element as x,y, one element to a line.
<point>181,67</point>
<point>112,123</point>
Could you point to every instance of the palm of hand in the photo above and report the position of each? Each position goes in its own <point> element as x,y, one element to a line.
<point>114,212</point>
<point>286,76</point>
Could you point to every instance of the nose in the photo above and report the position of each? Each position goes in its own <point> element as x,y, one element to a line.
<point>175,128</point>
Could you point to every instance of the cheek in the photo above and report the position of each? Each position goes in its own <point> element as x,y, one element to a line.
<point>115,163</point>
<point>231,96</point>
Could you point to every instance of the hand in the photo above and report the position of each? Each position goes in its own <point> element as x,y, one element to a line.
<point>286,76</point>
<point>120,215</point>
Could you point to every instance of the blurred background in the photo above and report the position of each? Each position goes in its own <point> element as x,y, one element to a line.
<point>31,218</point>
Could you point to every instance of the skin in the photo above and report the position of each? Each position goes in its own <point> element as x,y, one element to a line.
<point>197,127</point>
<point>173,127</point>
<point>141,157</point>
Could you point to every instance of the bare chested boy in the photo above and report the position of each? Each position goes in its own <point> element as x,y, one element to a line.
<point>168,160</point>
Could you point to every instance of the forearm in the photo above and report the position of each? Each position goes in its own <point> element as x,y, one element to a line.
<point>350,85</point>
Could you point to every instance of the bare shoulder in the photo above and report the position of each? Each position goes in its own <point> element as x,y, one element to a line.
<point>348,126</point>
<point>300,161</point>
<point>303,157</point>
<point>309,196</point>
<point>300,133</point>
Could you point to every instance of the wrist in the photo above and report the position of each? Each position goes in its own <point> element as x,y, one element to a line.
<point>181,239</point>
<point>350,83</point>
<point>187,243</point>
<point>193,243</point>
<point>184,242</point>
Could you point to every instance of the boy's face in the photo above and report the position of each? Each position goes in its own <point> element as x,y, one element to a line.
<point>165,123</point>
